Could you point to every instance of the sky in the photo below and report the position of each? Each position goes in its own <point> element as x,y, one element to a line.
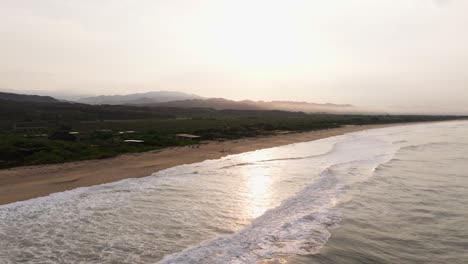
<point>396,55</point>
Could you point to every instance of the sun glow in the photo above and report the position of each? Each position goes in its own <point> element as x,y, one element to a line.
<point>267,37</point>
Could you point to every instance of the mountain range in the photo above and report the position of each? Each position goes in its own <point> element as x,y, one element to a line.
<point>138,98</point>
<point>166,99</point>
<point>27,98</point>
<point>184,100</point>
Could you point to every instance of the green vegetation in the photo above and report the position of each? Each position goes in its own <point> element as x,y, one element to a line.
<point>39,133</point>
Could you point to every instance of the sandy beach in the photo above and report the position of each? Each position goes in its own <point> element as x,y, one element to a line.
<point>24,183</point>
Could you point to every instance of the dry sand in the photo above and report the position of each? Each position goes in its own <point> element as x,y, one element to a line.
<point>24,183</point>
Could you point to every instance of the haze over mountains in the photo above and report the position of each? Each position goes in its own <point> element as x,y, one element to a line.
<point>221,104</point>
<point>184,100</point>
<point>139,98</point>
<point>170,99</point>
<point>166,99</point>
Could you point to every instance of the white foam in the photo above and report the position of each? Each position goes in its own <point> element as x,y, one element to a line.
<point>301,224</point>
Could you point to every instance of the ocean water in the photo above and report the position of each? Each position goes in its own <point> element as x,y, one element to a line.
<point>391,195</point>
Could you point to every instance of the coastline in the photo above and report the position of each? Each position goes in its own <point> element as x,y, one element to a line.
<point>23,183</point>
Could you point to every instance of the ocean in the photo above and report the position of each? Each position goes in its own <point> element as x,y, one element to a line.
<point>389,195</point>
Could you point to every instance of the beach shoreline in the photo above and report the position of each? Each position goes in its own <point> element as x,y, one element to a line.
<point>23,183</point>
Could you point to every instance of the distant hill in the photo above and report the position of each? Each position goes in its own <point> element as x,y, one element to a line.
<point>307,107</point>
<point>139,98</point>
<point>222,104</point>
<point>27,98</point>
<point>213,103</point>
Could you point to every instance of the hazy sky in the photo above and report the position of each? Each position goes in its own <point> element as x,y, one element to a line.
<point>403,54</point>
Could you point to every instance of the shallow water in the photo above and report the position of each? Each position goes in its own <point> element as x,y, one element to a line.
<point>393,195</point>
<point>413,210</point>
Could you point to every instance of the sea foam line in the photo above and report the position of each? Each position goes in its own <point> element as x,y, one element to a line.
<point>299,226</point>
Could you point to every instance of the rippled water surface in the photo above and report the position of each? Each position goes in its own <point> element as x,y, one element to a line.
<point>392,195</point>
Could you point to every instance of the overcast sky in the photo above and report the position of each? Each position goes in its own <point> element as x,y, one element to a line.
<point>408,55</point>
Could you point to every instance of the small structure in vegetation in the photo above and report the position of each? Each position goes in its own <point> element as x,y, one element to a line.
<point>187,136</point>
<point>134,141</point>
<point>62,135</point>
<point>127,132</point>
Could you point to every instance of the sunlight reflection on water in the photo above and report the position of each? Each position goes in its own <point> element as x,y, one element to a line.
<point>258,181</point>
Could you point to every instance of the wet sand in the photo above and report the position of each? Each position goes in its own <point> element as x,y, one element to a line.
<point>28,182</point>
